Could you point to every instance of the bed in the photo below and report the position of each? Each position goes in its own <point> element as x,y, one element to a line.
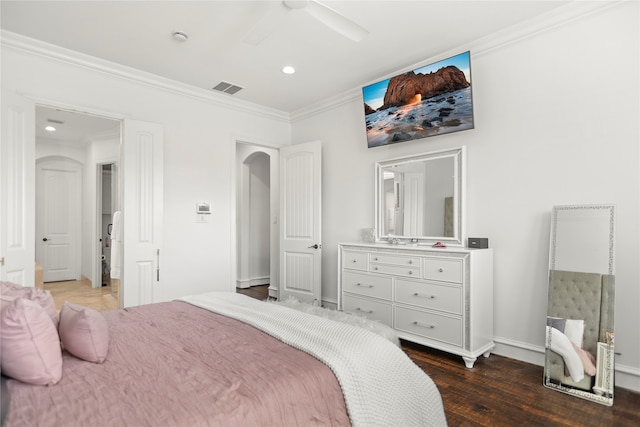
<point>224,359</point>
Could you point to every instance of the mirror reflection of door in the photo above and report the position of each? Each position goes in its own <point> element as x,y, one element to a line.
<point>579,335</point>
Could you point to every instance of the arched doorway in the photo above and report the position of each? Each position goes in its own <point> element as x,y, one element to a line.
<point>257,220</point>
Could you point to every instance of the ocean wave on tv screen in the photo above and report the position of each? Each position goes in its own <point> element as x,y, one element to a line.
<point>450,112</point>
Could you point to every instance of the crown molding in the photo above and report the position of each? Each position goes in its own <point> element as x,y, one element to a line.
<point>53,52</point>
<point>562,15</point>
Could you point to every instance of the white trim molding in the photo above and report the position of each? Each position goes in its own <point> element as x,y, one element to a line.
<point>50,51</point>
<point>514,34</point>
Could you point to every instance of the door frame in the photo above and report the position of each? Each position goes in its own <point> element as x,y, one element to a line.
<point>56,104</point>
<point>274,237</point>
<point>95,265</point>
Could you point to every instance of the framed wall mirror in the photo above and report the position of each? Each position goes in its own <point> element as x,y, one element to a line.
<point>421,198</point>
<point>579,343</point>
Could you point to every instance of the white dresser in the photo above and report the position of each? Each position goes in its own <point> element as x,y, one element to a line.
<point>441,298</point>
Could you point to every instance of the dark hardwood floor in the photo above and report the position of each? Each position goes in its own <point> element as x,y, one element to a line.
<point>499,391</point>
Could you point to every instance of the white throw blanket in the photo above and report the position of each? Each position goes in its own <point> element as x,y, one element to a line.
<point>343,317</point>
<point>380,384</point>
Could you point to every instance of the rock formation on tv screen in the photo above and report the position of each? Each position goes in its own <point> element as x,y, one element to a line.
<point>410,88</point>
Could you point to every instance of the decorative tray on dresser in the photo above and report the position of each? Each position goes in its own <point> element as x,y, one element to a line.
<point>437,297</point>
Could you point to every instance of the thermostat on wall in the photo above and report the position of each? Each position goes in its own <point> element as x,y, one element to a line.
<point>203,208</point>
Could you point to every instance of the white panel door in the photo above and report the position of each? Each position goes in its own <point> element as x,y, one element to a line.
<point>142,212</point>
<point>300,229</point>
<point>58,219</point>
<point>17,190</point>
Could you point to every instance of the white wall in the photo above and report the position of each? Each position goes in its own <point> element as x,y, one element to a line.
<point>198,160</point>
<point>556,122</point>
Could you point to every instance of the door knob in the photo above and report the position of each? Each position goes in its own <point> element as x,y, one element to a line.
<point>316,246</point>
<point>44,239</point>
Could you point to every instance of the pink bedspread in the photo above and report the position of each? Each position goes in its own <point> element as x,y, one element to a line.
<point>174,364</point>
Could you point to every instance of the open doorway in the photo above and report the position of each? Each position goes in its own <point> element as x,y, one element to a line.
<point>79,151</point>
<point>107,199</point>
<point>257,207</point>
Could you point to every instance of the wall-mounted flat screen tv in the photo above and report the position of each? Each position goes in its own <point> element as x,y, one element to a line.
<point>431,100</point>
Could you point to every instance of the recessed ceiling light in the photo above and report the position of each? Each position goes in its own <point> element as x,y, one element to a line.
<point>50,128</point>
<point>180,36</point>
<point>288,69</point>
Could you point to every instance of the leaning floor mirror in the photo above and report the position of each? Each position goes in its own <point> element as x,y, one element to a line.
<point>579,355</point>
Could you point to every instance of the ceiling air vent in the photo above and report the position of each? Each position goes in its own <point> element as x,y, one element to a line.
<point>58,122</point>
<point>227,88</point>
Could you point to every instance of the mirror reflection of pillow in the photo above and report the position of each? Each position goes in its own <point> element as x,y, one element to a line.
<point>574,329</point>
<point>560,343</point>
<point>588,361</point>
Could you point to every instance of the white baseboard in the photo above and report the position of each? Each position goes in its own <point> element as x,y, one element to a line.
<point>273,292</point>
<point>626,376</point>
<point>255,281</point>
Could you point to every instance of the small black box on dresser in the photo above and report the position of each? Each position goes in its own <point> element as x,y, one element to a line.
<point>478,242</point>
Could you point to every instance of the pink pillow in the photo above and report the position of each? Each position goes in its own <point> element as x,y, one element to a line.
<point>11,291</point>
<point>84,332</point>
<point>30,344</point>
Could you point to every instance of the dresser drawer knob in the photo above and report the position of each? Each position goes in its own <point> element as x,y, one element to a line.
<point>410,261</point>
<point>440,270</point>
<point>375,259</point>
<point>410,272</point>
<point>375,268</point>
<point>363,285</point>
<point>355,260</point>
<point>424,296</point>
<point>364,311</point>
<point>424,325</point>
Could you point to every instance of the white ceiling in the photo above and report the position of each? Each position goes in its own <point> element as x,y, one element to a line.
<point>76,128</point>
<point>139,34</point>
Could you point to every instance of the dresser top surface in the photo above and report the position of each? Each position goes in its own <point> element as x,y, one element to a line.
<point>417,248</point>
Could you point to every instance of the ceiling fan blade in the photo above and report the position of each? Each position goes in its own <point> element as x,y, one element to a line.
<point>266,25</point>
<point>336,21</point>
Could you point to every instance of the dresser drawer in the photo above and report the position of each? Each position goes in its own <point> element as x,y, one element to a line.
<point>409,261</point>
<point>395,270</point>
<point>376,310</point>
<point>366,284</point>
<point>446,270</point>
<point>429,295</point>
<point>429,325</point>
<point>355,260</point>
